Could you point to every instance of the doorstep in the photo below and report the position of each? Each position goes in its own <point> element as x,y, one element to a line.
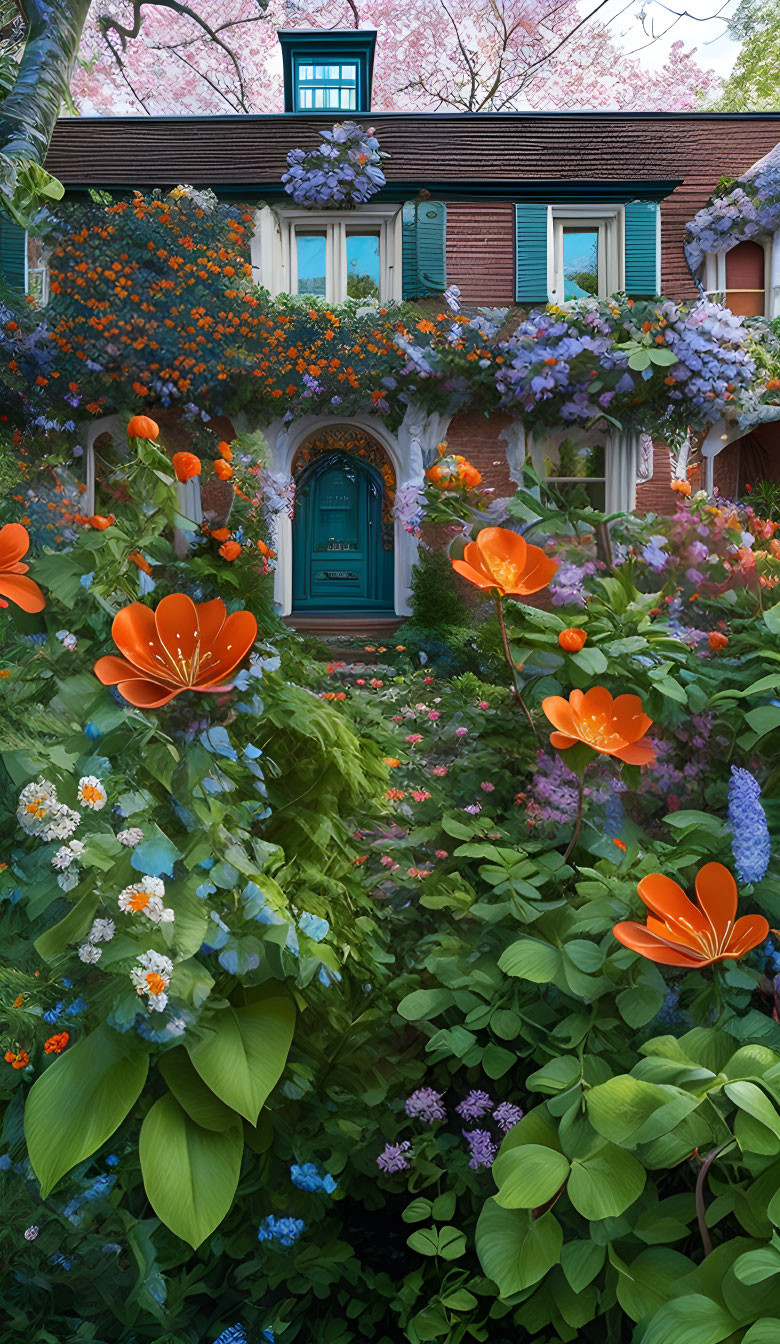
<point>338,624</point>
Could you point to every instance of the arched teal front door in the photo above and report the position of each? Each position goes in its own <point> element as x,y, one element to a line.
<point>339,560</point>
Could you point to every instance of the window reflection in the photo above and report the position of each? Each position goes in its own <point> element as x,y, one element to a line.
<point>580,263</point>
<point>312,252</point>
<point>363,265</point>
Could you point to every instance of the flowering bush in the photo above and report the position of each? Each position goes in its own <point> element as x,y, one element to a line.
<point>737,211</point>
<point>345,171</point>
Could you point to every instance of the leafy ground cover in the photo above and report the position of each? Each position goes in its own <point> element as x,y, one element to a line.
<point>331,1008</point>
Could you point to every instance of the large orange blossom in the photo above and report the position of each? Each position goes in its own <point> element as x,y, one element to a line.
<point>178,647</point>
<point>612,727</point>
<point>23,592</point>
<point>503,561</point>
<point>679,933</point>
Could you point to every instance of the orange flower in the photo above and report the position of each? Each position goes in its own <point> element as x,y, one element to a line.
<point>611,727</point>
<point>223,469</point>
<point>221,534</point>
<point>179,647</point>
<point>186,465</point>
<point>620,843</point>
<point>392,761</point>
<point>19,1059</point>
<point>56,1044</point>
<point>679,933</point>
<point>141,561</point>
<point>503,560</point>
<point>225,451</point>
<point>682,487</point>
<point>100,522</point>
<point>717,641</point>
<point>266,551</point>
<point>142,427</point>
<point>24,593</point>
<point>230,550</point>
<point>572,640</point>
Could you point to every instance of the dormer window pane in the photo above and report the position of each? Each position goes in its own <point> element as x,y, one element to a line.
<point>327,86</point>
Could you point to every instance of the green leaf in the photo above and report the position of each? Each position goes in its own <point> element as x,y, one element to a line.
<point>527,1177</point>
<point>242,1058</point>
<point>693,1319</point>
<point>765,1331</point>
<point>425,1004</point>
<point>751,1099</point>
<point>763,719</point>
<point>627,1111</point>
<point>639,360</point>
<point>772,619</point>
<point>417,1211</point>
<point>70,929</point>
<point>516,1251</point>
<point>190,1174</point>
<point>653,1279</point>
<point>605,1184</point>
<point>581,1261</point>
<point>452,1243</point>
<point>80,1100</point>
<point>424,1241</point>
<point>556,1076</point>
<point>530,959</point>
<point>192,1093</point>
<point>639,1004</point>
<point>591,661</point>
<point>755,1266</point>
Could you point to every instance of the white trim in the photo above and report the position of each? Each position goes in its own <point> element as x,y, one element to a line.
<point>274,257</point>
<point>609,223</point>
<point>416,440</point>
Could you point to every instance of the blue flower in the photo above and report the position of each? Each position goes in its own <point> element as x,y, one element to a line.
<point>92,731</point>
<point>86,580</point>
<point>5,1162</point>
<point>307,1177</point>
<point>749,831</point>
<point>284,1230</point>
<point>235,1334</point>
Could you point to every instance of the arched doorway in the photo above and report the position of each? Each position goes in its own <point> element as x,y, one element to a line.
<point>343,523</point>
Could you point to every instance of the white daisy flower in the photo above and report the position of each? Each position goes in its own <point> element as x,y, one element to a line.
<point>131,837</point>
<point>36,802</point>
<point>146,896</point>
<point>69,879</point>
<point>89,953</point>
<point>63,858</point>
<point>77,847</point>
<point>177,1026</point>
<point>91,793</point>
<point>152,977</point>
<point>60,823</point>
<point>102,931</point>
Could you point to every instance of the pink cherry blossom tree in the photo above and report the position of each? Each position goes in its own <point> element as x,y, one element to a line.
<point>221,56</point>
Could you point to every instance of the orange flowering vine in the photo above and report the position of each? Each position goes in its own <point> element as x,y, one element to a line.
<point>56,1044</point>
<point>680,933</point>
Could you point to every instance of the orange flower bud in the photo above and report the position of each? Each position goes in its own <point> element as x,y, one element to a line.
<point>142,427</point>
<point>230,550</point>
<point>717,641</point>
<point>682,487</point>
<point>223,470</point>
<point>186,465</point>
<point>572,640</point>
<point>100,522</point>
<point>225,451</point>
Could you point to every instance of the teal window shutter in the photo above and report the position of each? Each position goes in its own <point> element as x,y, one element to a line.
<point>531,253</point>
<point>642,259</point>
<point>13,256</point>
<point>423,242</point>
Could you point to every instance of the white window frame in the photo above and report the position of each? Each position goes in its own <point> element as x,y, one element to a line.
<point>609,222</point>
<point>274,253</point>
<point>715,272</point>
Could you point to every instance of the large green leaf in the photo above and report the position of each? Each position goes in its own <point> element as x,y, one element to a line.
<point>514,1249</point>
<point>190,1173</point>
<point>627,1111</point>
<point>527,1177</point>
<point>243,1056</point>
<point>80,1100</point>
<point>70,929</point>
<point>581,1261</point>
<point>751,1099</point>
<point>531,959</point>
<point>425,1004</point>
<point>693,1319</point>
<point>765,1331</point>
<point>192,1093</point>
<point>606,1183</point>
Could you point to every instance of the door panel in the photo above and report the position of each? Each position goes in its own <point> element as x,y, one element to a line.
<point>338,560</point>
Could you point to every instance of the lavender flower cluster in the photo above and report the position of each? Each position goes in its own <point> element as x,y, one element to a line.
<point>427,1105</point>
<point>751,206</point>
<point>344,171</point>
<point>570,363</point>
<point>749,831</point>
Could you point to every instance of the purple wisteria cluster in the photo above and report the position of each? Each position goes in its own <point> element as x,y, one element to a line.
<point>427,1106</point>
<point>593,361</point>
<point>749,831</point>
<point>344,171</point>
<point>751,206</point>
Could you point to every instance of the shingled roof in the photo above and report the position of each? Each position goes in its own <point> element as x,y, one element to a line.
<point>447,152</point>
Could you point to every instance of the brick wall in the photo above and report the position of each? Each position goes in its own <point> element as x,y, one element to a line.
<point>477,438</point>
<point>656,495</point>
<point>481,251</point>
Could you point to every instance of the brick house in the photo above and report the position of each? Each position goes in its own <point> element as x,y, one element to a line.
<point>516,209</point>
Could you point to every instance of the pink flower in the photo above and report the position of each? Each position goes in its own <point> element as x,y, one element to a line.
<point>387,862</point>
<point>442,854</point>
<point>420,795</point>
<point>428,681</point>
<point>461,732</point>
<point>484,704</point>
<point>487,786</point>
<point>434,714</point>
<point>397,718</point>
<point>440,771</point>
<point>361,681</point>
<point>375,682</point>
<point>414,737</point>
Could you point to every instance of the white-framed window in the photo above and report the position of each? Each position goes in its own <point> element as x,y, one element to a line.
<point>332,254</point>
<point>585,251</point>
<point>320,86</point>
<point>572,467</point>
<point>37,270</point>
<point>746,277</point>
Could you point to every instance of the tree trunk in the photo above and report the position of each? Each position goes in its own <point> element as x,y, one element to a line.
<point>29,111</point>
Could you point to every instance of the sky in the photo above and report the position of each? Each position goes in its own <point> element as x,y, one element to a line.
<point>701,30</point>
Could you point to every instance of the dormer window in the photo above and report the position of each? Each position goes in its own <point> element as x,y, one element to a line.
<point>327,71</point>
